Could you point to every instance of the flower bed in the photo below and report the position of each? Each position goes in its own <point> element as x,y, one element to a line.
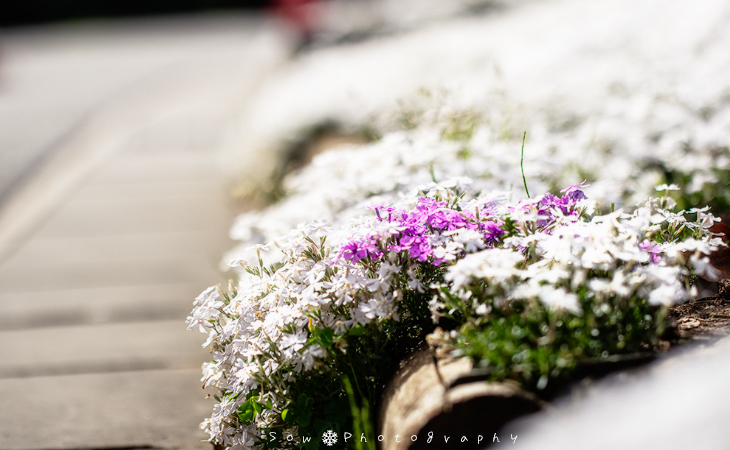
<point>455,145</point>
<point>526,289</point>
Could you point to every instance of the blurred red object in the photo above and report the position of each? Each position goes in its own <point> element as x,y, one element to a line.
<point>299,14</point>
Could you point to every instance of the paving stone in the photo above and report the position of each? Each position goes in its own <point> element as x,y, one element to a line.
<point>108,304</point>
<point>87,218</point>
<point>107,242</point>
<point>158,408</point>
<point>124,272</point>
<point>101,249</point>
<point>99,348</point>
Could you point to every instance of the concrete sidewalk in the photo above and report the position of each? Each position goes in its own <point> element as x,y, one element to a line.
<point>118,223</point>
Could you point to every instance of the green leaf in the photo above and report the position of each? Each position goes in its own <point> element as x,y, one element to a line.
<point>286,415</point>
<point>257,407</point>
<point>303,418</point>
<point>247,415</point>
<point>325,336</point>
<point>313,444</point>
<point>302,401</point>
<point>248,410</point>
<point>320,426</point>
<point>337,407</point>
<point>357,330</point>
<point>337,419</point>
<point>245,406</point>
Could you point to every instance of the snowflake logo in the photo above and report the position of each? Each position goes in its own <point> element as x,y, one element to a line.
<point>329,438</point>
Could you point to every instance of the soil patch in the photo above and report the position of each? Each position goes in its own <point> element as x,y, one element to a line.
<point>703,319</point>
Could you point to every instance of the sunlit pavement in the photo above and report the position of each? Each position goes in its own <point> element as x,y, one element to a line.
<point>115,218</point>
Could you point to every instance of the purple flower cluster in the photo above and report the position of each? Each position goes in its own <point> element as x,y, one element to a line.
<point>356,249</point>
<point>417,231</point>
<point>413,231</point>
<point>566,203</point>
<point>653,249</point>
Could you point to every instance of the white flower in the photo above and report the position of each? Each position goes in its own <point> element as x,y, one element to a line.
<point>560,299</point>
<point>471,240</point>
<point>294,341</point>
<point>482,310</point>
<point>238,263</point>
<point>665,294</point>
<point>704,268</point>
<point>258,247</point>
<point>319,228</point>
<point>693,245</point>
<point>309,355</point>
<point>495,264</point>
<point>210,294</point>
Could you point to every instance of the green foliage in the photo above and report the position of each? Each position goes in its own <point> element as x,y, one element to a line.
<point>338,397</point>
<point>536,346</point>
<point>715,195</point>
<point>460,126</point>
<point>362,422</point>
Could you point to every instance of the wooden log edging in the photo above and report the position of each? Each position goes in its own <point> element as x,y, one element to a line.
<point>438,396</point>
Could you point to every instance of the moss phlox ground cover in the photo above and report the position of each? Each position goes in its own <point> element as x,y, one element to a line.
<point>527,289</point>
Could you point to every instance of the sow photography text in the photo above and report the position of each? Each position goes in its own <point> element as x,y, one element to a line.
<point>330,438</point>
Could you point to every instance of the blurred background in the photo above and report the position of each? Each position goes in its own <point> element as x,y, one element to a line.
<point>132,133</point>
<point>35,12</point>
<point>126,132</point>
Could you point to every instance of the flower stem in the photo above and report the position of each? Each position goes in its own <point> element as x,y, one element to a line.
<point>522,167</point>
